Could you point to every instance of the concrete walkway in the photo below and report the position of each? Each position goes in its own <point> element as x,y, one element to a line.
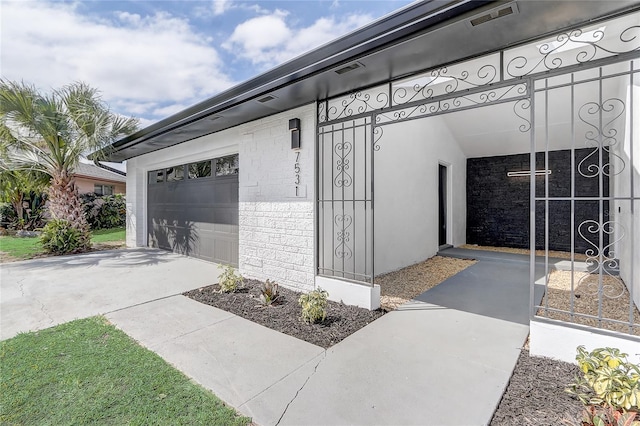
<point>253,368</point>
<point>441,359</point>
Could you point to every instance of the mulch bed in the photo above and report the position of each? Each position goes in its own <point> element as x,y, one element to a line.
<point>535,394</point>
<point>284,315</point>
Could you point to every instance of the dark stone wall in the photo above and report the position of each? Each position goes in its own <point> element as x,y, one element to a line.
<point>498,206</point>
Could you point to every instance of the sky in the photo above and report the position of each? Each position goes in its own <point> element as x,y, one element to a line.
<point>151,59</point>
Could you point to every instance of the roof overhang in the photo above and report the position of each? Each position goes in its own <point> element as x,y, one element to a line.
<point>420,36</point>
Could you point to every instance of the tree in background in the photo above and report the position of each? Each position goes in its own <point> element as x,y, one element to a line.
<point>50,132</point>
<point>19,186</point>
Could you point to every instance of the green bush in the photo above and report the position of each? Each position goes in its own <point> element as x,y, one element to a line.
<point>60,237</point>
<point>104,211</point>
<point>268,293</point>
<point>32,210</point>
<point>229,280</point>
<point>7,214</point>
<point>609,386</point>
<point>314,306</point>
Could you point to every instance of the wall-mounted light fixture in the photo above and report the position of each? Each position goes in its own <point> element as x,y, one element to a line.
<point>294,127</point>
<point>528,173</point>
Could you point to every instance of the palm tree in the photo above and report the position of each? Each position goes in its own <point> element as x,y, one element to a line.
<point>50,132</point>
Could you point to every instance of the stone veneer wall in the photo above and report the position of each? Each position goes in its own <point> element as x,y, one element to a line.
<point>277,238</point>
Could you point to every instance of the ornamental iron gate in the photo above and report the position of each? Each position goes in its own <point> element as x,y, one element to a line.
<point>345,200</point>
<point>577,97</point>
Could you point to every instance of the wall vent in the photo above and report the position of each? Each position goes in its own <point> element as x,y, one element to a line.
<point>350,67</point>
<point>266,99</point>
<point>500,12</point>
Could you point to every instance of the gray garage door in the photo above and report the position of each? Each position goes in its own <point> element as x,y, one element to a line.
<point>193,209</point>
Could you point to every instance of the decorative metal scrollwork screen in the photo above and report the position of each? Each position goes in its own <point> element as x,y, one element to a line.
<point>345,200</point>
<point>593,113</point>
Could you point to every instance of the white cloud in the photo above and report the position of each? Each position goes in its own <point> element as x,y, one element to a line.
<point>140,63</point>
<point>269,40</point>
<point>258,36</point>
<point>221,6</point>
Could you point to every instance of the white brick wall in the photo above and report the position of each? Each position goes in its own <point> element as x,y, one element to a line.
<point>276,227</point>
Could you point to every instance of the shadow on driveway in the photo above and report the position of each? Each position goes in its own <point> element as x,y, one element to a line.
<point>40,293</point>
<point>109,258</point>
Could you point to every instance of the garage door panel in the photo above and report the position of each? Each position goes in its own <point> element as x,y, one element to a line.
<point>195,217</point>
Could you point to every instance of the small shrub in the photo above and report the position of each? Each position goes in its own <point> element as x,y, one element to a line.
<point>60,237</point>
<point>31,215</point>
<point>229,280</point>
<point>104,211</point>
<point>609,387</point>
<point>607,416</point>
<point>314,306</point>
<point>7,214</point>
<point>268,293</point>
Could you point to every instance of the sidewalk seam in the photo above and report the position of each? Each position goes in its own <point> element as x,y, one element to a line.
<point>193,331</point>
<point>142,303</point>
<point>315,369</point>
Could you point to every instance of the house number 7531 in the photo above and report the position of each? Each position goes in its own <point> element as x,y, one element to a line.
<point>296,169</point>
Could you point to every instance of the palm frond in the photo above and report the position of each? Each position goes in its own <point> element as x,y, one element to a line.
<point>51,132</point>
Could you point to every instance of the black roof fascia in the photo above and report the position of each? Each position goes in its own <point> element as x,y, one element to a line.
<point>392,28</point>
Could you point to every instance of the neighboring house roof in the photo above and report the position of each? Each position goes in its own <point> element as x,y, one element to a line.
<point>420,36</point>
<point>92,171</point>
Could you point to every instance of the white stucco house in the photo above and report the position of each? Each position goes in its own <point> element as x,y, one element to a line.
<point>447,122</point>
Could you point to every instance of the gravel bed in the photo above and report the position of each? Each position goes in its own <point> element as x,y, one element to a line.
<point>615,303</point>
<point>284,315</point>
<point>398,287</point>
<point>535,394</point>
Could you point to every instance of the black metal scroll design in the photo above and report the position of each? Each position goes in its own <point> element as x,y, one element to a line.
<point>605,137</point>
<point>343,236</point>
<point>521,66</point>
<point>322,112</point>
<point>602,264</point>
<point>358,103</point>
<point>519,109</point>
<point>343,178</point>
<point>377,135</point>
<point>484,76</point>
<point>451,104</point>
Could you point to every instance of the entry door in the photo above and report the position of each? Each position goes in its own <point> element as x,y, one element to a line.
<point>442,205</point>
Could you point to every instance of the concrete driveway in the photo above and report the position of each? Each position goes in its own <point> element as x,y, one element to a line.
<point>41,293</point>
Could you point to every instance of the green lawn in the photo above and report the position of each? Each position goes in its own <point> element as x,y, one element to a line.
<point>108,235</point>
<point>25,248</point>
<point>87,371</point>
<point>21,248</point>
